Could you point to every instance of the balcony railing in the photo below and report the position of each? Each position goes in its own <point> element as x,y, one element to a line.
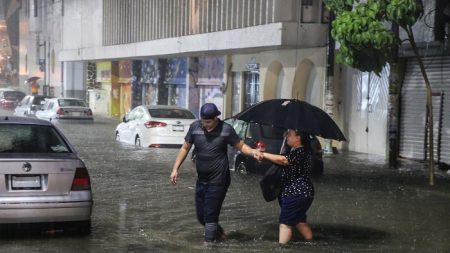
<point>130,21</point>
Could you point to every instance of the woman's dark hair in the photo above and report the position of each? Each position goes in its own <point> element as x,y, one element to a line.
<point>305,139</point>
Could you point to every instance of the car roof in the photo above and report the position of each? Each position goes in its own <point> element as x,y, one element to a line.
<point>23,120</point>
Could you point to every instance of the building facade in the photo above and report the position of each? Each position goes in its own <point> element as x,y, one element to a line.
<point>121,53</point>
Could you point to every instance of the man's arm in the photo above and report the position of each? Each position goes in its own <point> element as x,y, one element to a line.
<point>246,150</point>
<point>184,150</point>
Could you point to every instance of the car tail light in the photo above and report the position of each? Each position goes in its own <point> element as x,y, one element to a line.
<point>60,111</point>
<point>154,145</point>
<point>260,145</point>
<point>88,112</point>
<point>81,180</point>
<point>151,124</point>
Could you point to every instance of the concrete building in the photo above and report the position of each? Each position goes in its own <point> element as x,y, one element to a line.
<point>121,53</point>
<point>255,49</point>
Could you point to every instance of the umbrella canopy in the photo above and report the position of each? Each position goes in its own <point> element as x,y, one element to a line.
<point>293,114</point>
<point>32,79</point>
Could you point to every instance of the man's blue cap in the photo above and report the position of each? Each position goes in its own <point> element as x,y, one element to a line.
<point>209,111</point>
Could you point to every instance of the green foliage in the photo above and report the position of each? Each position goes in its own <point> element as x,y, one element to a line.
<point>366,43</point>
<point>339,6</point>
<point>404,12</point>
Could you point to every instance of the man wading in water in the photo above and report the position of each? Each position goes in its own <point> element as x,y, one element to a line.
<point>210,137</point>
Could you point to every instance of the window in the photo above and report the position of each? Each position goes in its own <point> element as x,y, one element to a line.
<point>171,113</point>
<point>272,132</point>
<point>31,139</point>
<point>251,88</point>
<point>236,93</point>
<point>50,105</point>
<point>71,102</point>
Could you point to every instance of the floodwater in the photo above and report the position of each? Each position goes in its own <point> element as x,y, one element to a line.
<point>360,206</point>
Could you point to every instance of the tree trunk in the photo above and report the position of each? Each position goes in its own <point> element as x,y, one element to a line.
<point>429,124</point>
<point>395,83</point>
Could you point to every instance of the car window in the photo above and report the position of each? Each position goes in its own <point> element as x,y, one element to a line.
<point>241,128</point>
<point>14,94</point>
<point>37,100</point>
<point>31,139</point>
<point>71,102</point>
<point>132,115</point>
<point>139,114</point>
<point>50,105</point>
<point>171,113</point>
<point>272,132</point>
<point>25,100</point>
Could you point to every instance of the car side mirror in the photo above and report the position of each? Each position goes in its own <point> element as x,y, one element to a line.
<point>124,119</point>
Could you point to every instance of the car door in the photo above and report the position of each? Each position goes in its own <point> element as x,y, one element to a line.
<point>46,111</point>
<point>137,123</point>
<point>125,130</point>
<point>21,109</point>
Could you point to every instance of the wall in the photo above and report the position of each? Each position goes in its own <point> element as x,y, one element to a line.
<point>290,60</point>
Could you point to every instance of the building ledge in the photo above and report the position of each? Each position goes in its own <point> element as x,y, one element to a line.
<point>255,38</point>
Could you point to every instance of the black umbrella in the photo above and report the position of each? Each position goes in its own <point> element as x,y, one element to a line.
<point>293,114</point>
<point>32,79</point>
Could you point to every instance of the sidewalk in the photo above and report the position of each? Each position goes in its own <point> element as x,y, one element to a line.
<point>363,205</point>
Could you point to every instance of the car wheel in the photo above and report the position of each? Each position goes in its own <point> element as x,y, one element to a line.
<point>137,141</point>
<point>241,168</point>
<point>117,136</point>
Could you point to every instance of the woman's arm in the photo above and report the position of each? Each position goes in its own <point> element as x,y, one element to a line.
<point>277,159</point>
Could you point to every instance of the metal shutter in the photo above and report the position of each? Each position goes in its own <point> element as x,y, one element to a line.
<point>413,101</point>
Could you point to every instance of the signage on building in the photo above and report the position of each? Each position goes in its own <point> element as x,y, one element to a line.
<point>104,72</point>
<point>252,65</point>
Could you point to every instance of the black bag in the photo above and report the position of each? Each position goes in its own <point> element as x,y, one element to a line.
<point>270,183</point>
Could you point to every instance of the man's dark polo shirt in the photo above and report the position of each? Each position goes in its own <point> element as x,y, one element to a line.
<point>211,150</point>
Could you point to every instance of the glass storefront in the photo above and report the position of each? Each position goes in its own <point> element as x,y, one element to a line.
<point>251,82</point>
<point>236,93</point>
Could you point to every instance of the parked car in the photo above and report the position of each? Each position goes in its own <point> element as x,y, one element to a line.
<point>29,105</point>
<point>265,138</point>
<point>155,126</point>
<point>10,98</point>
<point>64,109</point>
<point>42,178</point>
<point>5,89</point>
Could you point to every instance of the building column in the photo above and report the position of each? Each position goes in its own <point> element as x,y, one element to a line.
<point>74,76</point>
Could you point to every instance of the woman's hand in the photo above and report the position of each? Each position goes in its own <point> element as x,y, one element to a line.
<point>258,155</point>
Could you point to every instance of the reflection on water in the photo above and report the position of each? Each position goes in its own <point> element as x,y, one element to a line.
<point>357,207</point>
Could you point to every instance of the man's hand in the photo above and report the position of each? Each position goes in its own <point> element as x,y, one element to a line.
<point>258,155</point>
<point>173,177</point>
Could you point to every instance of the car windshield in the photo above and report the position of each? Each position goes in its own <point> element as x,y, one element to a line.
<point>171,113</point>
<point>16,138</point>
<point>71,102</point>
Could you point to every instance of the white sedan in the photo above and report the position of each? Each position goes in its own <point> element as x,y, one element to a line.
<point>155,126</point>
<point>64,108</point>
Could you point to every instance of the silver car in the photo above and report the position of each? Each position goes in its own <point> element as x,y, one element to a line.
<point>29,105</point>
<point>42,179</point>
<point>64,109</point>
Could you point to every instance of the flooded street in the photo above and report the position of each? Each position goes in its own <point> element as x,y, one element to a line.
<point>360,205</point>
